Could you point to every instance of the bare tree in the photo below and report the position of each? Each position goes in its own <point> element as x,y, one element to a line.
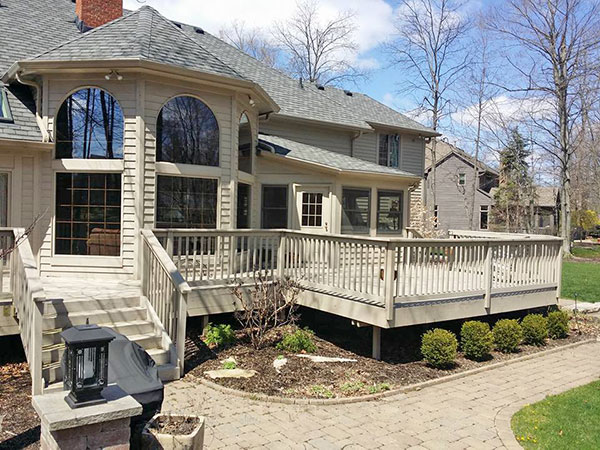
<point>430,45</point>
<point>319,51</point>
<point>558,41</point>
<point>251,41</point>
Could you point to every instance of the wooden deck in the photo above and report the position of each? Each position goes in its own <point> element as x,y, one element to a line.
<point>383,282</point>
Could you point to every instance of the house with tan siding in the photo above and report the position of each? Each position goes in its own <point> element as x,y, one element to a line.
<point>162,166</point>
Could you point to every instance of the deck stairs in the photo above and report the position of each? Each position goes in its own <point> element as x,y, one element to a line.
<point>116,304</point>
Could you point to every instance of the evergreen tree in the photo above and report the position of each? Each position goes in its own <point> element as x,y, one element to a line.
<point>515,197</point>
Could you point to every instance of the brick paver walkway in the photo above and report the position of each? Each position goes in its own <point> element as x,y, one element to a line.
<point>470,412</point>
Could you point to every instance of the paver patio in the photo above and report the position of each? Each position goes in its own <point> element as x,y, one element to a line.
<point>469,412</point>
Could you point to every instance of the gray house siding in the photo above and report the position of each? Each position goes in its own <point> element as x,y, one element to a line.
<point>454,200</point>
<point>365,146</point>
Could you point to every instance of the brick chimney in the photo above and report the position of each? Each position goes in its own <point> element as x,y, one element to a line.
<point>93,13</point>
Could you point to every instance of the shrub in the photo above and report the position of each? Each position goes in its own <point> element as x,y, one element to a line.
<point>219,335</point>
<point>476,340</point>
<point>439,347</point>
<point>535,329</point>
<point>507,335</point>
<point>298,341</point>
<point>558,325</point>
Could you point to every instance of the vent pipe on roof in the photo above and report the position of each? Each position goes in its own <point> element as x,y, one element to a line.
<point>94,13</point>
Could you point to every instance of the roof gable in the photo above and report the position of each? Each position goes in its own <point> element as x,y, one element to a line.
<point>140,35</point>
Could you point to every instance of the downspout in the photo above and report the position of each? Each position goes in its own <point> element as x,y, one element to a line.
<point>38,104</point>
<point>352,140</point>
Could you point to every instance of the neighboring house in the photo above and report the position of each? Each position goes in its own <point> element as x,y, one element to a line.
<point>547,207</point>
<point>454,189</point>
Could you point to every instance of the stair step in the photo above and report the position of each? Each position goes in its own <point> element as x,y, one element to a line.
<point>108,317</point>
<point>74,305</point>
<point>160,356</point>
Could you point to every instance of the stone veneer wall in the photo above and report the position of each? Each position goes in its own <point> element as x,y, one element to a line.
<point>112,435</point>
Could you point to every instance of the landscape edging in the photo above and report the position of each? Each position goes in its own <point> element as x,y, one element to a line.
<point>401,390</point>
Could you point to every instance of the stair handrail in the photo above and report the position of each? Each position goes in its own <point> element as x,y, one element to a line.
<point>170,304</point>
<point>28,297</point>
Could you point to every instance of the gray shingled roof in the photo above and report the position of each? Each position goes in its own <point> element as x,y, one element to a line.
<point>443,149</point>
<point>47,27</point>
<point>315,155</point>
<point>140,35</point>
<point>23,126</point>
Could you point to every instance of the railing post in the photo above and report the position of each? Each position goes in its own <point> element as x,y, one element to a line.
<point>281,256</point>
<point>181,330</point>
<point>559,271</point>
<point>35,345</point>
<point>389,280</point>
<point>488,274</point>
<point>170,241</point>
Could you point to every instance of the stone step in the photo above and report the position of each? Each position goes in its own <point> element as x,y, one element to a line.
<point>73,305</point>
<point>159,355</point>
<point>108,317</point>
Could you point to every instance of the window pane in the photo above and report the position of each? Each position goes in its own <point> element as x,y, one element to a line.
<point>243,206</point>
<point>312,209</point>
<point>3,199</point>
<point>483,217</point>
<point>85,225</point>
<point>355,211</point>
<point>394,150</point>
<point>89,125</point>
<point>187,132</point>
<point>4,107</point>
<point>383,149</point>
<point>245,145</point>
<point>186,202</point>
<point>274,207</point>
<point>389,211</point>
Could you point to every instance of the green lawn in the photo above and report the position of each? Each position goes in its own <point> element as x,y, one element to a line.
<point>587,252</point>
<point>582,278</point>
<point>570,420</point>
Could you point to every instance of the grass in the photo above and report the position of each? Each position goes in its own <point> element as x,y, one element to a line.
<point>566,421</point>
<point>581,278</point>
<point>587,252</point>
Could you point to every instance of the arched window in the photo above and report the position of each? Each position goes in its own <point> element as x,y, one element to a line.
<point>187,132</point>
<point>89,125</point>
<point>245,145</point>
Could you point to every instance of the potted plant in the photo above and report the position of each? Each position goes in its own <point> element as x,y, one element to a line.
<point>174,432</point>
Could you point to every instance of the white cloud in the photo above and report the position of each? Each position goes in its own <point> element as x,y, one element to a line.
<point>374,18</point>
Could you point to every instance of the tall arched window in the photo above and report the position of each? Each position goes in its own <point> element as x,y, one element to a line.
<point>89,125</point>
<point>245,145</point>
<point>187,132</point>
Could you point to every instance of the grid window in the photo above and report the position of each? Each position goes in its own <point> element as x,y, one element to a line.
<point>462,179</point>
<point>186,202</point>
<point>88,214</point>
<point>389,211</point>
<point>274,206</point>
<point>389,150</point>
<point>356,211</point>
<point>484,211</point>
<point>312,209</point>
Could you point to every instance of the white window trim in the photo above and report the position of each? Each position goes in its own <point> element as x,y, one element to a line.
<point>187,170</point>
<point>487,209</point>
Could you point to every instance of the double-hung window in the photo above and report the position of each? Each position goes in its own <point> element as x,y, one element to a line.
<point>484,211</point>
<point>274,206</point>
<point>389,211</point>
<point>389,150</point>
<point>356,207</point>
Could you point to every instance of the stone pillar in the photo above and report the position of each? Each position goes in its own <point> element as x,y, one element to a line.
<point>104,426</point>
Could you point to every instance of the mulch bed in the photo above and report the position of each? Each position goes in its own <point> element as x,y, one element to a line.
<point>302,378</point>
<point>19,424</point>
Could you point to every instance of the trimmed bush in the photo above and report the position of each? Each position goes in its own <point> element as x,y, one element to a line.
<point>507,335</point>
<point>558,325</point>
<point>476,340</point>
<point>535,329</point>
<point>219,335</point>
<point>298,341</point>
<point>439,347</point>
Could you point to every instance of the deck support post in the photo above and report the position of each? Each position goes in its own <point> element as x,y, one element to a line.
<point>204,322</point>
<point>376,343</point>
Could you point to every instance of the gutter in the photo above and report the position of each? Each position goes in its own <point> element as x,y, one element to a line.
<point>38,105</point>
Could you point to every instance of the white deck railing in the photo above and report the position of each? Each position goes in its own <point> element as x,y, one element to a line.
<point>28,296</point>
<point>167,292</point>
<point>379,271</point>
